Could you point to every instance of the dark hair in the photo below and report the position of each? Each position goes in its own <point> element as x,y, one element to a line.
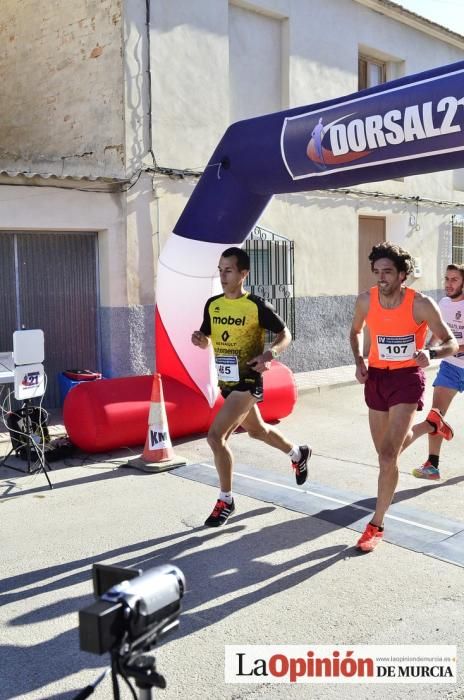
<point>403,261</point>
<point>243,259</point>
<point>458,268</point>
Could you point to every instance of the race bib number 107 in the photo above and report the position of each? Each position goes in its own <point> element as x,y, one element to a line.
<point>396,348</point>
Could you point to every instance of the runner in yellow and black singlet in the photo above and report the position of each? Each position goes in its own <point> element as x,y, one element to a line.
<point>234,324</point>
<point>237,330</point>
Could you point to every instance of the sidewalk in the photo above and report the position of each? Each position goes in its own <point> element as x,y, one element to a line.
<point>320,379</point>
<point>332,377</point>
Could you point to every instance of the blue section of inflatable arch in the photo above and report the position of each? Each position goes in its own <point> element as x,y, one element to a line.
<point>405,127</point>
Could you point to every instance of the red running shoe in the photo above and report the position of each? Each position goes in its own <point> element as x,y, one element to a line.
<point>370,538</point>
<point>442,428</point>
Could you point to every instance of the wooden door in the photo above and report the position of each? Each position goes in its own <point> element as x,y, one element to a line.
<point>371,232</point>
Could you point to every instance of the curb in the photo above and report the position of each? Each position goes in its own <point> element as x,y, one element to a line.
<point>310,382</point>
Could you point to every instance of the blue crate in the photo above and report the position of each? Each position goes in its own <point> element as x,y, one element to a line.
<point>66,384</point>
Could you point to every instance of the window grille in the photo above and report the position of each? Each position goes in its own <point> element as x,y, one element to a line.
<point>272,272</point>
<point>458,240</point>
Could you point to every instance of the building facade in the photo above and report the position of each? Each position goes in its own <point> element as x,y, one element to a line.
<point>112,110</point>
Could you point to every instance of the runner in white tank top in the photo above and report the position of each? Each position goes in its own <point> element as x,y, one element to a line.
<point>450,378</point>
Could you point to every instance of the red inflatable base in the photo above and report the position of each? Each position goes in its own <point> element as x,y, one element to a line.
<point>110,413</point>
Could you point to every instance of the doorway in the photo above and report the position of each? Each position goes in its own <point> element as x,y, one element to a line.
<point>371,232</point>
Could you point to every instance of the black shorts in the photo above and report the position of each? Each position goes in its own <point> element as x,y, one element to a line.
<point>252,384</point>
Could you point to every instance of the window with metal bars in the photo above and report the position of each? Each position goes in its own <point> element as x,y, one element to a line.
<point>457,254</point>
<point>272,272</point>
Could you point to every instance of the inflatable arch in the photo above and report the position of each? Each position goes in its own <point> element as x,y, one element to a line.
<point>409,126</point>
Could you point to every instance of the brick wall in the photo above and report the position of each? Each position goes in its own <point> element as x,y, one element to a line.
<point>61,77</point>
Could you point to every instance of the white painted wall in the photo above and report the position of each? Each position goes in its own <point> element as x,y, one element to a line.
<point>190,80</point>
<point>255,67</point>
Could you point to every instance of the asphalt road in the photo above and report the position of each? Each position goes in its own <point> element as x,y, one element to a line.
<point>274,574</point>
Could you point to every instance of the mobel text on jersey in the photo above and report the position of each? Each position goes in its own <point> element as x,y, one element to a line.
<point>229,320</point>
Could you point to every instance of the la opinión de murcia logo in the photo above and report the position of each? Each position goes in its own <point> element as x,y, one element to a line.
<point>358,664</point>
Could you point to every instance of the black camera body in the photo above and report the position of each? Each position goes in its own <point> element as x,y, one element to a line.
<point>133,614</point>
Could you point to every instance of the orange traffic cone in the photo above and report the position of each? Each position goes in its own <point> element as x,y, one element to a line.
<point>158,454</point>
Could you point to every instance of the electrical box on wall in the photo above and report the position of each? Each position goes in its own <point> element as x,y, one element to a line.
<point>417,270</point>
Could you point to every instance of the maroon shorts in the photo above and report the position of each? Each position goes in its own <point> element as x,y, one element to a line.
<point>389,387</point>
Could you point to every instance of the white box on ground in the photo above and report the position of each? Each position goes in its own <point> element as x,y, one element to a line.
<point>28,347</point>
<point>29,381</point>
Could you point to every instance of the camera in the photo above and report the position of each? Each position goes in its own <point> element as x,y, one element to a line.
<point>133,611</point>
<point>138,608</point>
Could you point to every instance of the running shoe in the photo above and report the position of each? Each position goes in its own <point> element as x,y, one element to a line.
<point>426,471</point>
<point>370,538</point>
<point>221,512</point>
<point>442,428</point>
<point>301,467</point>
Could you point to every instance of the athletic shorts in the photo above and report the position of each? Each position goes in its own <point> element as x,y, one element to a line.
<point>450,376</point>
<point>389,387</point>
<point>252,384</point>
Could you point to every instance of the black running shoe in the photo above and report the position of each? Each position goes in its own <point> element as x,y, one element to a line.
<point>221,512</point>
<point>301,467</point>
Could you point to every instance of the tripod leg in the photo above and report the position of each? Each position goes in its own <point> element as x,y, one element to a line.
<point>30,443</point>
<point>42,469</point>
<point>28,428</point>
<point>4,460</point>
<point>43,464</point>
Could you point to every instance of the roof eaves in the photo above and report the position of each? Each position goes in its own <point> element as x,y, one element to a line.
<point>87,182</point>
<point>400,13</point>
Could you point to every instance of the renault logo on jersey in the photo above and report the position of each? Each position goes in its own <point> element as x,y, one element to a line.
<point>225,336</point>
<point>229,320</point>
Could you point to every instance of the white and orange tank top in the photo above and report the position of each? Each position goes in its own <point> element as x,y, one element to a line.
<point>395,335</point>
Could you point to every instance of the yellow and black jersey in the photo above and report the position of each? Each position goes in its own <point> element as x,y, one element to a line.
<point>237,331</point>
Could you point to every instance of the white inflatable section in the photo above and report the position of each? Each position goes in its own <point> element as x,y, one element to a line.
<point>187,277</point>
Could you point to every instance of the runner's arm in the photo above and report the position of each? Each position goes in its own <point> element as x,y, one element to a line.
<point>262,362</point>
<point>281,342</point>
<point>200,339</point>
<point>358,323</point>
<point>271,321</point>
<point>445,344</point>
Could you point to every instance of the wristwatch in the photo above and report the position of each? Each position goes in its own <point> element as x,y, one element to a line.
<point>274,354</point>
<point>432,353</point>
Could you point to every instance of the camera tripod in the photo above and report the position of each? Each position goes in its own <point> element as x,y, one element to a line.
<point>131,661</point>
<point>40,464</point>
<point>142,668</point>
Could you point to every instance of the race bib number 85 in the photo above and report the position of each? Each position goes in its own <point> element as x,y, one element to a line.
<point>396,348</point>
<point>227,368</point>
